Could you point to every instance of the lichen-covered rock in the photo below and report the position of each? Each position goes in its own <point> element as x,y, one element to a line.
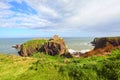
<point>103,46</point>
<point>55,46</point>
<point>31,47</point>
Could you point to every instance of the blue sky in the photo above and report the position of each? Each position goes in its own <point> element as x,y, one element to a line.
<point>67,18</point>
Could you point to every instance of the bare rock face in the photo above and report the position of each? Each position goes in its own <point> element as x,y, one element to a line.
<point>103,46</point>
<point>55,46</point>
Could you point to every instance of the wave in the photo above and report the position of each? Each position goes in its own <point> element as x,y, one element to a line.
<point>72,51</point>
<point>81,51</point>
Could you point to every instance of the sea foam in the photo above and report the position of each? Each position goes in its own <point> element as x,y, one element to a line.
<point>81,51</point>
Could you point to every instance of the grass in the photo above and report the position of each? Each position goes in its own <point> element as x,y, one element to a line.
<point>12,66</point>
<point>44,67</point>
<point>32,46</point>
<point>34,43</point>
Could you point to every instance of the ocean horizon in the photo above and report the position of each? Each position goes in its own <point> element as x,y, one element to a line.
<point>73,43</point>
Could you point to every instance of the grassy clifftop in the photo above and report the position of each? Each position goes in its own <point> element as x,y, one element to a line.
<point>44,67</point>
<point>31,46</point>
<point>53,46</point>
<point>106,41</point>
<point>103,46</point>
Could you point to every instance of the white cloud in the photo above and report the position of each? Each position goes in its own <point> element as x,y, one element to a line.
<point>64,15</point>
<point>42,8</point>
<point>4,5</point>
<point>94,12</point>
<point>24,20</point>
<point>47,10</point>
<point>9,18</point>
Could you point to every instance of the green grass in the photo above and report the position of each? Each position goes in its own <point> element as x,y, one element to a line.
<point>12,66</point>
<point>44,67</point>
<point>32,46</point>
<point>34,43</point>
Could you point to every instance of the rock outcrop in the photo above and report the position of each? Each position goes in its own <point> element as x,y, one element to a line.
<point>103,46</point>
<point>31,47</point>
<point>55,46</point>
<point>17,46</point>
<point>106,41</point>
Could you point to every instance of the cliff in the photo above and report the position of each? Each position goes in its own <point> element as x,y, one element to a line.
<point>53,46</point>
<point>31,47</point>
<point>103,46</point>
<point>106,41</point>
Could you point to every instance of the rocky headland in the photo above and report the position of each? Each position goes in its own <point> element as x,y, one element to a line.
<point>103,46</point>
<point>53,46</point>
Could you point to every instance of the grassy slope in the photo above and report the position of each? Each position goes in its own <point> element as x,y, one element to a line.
<point>12,66</point>
<point>45,67</point>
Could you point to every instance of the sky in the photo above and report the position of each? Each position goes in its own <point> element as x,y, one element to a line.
<point>66,18</point>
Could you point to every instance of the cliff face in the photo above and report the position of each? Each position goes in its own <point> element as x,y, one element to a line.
<point>103,46</point>
<point>55,46</point>
<point>106,41</point>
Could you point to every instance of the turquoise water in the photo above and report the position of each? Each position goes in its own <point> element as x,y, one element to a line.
<point>76,44</point>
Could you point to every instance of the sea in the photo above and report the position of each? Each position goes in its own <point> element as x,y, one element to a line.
<point>81,44</point>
